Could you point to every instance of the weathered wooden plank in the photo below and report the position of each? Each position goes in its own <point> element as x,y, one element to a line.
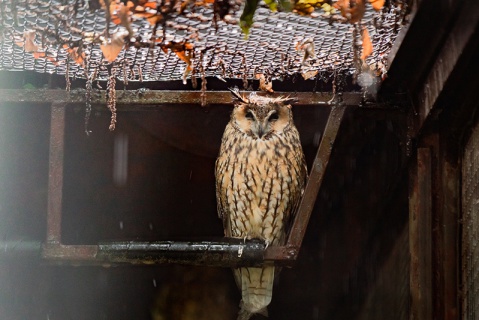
<point>420,241</point>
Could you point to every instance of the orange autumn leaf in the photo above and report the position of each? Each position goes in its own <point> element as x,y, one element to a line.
<point>264,84</point>
<point>367,44</point>
<point>377,4</point>
<point>29,45</point>
<point>39,54</point>
<point>186,58</point>
<point>353,10</point>
<point>112,49</point>
<point>74,55</point>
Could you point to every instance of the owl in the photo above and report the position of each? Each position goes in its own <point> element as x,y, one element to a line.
<point>260,178</point>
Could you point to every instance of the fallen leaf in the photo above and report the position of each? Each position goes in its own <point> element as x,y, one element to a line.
<point>366,44</point>
<point>353,10</point>
<point>264,84</point>
<point>377,4</point>
<point>112,49</point>
<point>29,44</point>
<point>309,74</point>
<point>307,45</point>
<point>79,58</point>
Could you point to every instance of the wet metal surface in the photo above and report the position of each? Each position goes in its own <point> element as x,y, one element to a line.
<point>134,99</point>
<point>227,253</point>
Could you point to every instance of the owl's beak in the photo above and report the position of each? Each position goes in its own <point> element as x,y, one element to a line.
<point>259,130</point>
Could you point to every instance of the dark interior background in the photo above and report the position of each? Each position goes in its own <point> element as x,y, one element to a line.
<point>354,260</point>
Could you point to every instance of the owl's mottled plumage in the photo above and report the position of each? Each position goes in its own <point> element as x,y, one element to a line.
<point>260,177</point>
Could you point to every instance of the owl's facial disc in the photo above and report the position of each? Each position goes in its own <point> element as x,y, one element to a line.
<point>261,127</point>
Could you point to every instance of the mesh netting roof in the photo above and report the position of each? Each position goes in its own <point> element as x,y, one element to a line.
<point>63,30</point>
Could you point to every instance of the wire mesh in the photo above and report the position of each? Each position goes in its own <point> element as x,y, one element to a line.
<point>55,25</point>
<point>470,228</point>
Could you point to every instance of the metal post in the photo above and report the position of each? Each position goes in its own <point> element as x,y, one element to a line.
<point>420,236</point>
<point>316,176</point>
<point>55,174</point>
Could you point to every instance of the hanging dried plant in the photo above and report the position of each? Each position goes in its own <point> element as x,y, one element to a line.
<point>88,92</point>
<point>111,99</point>
<point>203,81</point>
<point>67,77</point>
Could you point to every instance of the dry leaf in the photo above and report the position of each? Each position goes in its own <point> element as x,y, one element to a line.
<point>79,58</point>
<point>309,74</point>
<point>307,45</point>
<point>353,10</point>
<point>112,49</point>
<point>264,84</point>
<point>39,54</point>
<point>367,44</point>
<point>377,4</point>
<point>29,44</point>
<point>306,7</point>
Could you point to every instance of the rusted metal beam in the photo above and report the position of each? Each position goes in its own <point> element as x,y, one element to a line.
<point>55,176</point>
<point>193,253</point>
<point>134,99</point>
<point>420,236</point>
<point>70,254</point>
<point>226,253</point>
<point>316,176</point>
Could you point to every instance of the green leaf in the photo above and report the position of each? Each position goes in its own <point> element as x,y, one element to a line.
<point>285,5</point>
<point>272,5</point>
<point>246,19</point>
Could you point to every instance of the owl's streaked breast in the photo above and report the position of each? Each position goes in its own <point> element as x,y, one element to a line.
<point>260,182</point>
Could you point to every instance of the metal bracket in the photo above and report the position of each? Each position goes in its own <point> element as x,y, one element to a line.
<point>224,252</point>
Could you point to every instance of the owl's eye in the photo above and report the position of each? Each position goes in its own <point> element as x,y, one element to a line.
<point>249,115</point>
<point>273,117</point>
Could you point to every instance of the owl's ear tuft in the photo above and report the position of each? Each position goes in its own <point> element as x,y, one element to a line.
<point>237,97</point>
<point>288,101</point>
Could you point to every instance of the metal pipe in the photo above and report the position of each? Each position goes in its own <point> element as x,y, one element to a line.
<point>12,249</point>
<point>225,253</point>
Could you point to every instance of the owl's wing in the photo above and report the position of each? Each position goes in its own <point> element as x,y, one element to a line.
<point>302,178</point>
<point>221,194</point>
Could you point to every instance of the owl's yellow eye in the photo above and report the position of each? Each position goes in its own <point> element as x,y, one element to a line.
<point>249,115</point>
<point>273,117</point>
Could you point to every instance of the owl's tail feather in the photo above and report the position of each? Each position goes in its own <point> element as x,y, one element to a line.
<point>256,290</point>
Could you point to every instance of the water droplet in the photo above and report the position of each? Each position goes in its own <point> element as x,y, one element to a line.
<point>121,225</point>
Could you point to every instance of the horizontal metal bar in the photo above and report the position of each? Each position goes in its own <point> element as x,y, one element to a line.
<point>70,253</point>
<point>228,253</point>
<point>132,99</point>
<point>223,253</point>
<point>12,249</point>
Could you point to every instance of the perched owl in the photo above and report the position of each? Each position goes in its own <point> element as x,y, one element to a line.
<point>260,177</point>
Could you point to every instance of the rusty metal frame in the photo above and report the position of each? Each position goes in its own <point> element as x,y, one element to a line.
<point>224,252</point>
